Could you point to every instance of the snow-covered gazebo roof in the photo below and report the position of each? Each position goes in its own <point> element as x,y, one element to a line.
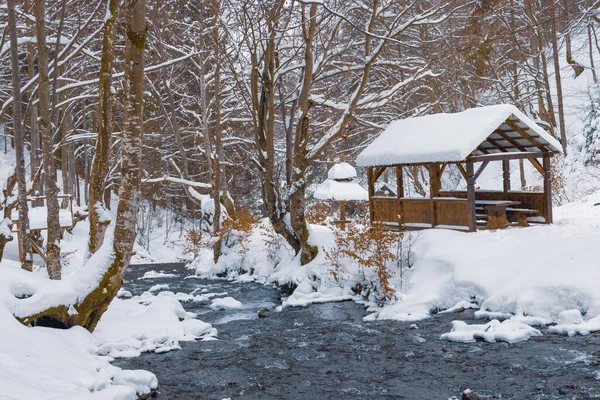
<point>339,185</point>
<point>454,137</point>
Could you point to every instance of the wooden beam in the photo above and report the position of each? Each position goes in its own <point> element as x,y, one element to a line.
<point>548,187</point>
<point>506,175</point>
<point>480,169</point>
<point>462,170</point>
<point>471,196</point>
<point>498,146</point>
<point>434,181</point>
<point>537,166</point>
<point>534,141</point>
<point>399,181</point>
<point>506,156</point>
<point>371,192</point>
<point>377,173</point>
<point>442,169</point>
<point>509,139</point>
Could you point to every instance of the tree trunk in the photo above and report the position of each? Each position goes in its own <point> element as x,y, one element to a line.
<point>51,191</point>
<point>216,184</point>
<point>100,164</point>
<point>25,252</point>
<point>559,93</point>
<point>90,309</point>
<point>591,53</point>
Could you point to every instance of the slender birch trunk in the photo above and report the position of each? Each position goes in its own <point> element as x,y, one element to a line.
<point>51,191</point>
<point>23,223</point>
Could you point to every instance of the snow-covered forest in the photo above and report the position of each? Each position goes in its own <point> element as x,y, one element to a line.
<point>224,134</point>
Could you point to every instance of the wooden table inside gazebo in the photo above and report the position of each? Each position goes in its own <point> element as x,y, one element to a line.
<point>470,141</point>
<point>495,212</point>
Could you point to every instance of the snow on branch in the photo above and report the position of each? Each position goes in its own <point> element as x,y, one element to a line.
<point>181,181</point>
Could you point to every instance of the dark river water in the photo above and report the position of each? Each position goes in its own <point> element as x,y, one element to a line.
<point>326,351</point>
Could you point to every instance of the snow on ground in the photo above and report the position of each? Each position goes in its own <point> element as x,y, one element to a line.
<point>45,363</point>
<point>147,323</point>
<point>538,271</point>
<point>265,258</point>
<point>528,276</point>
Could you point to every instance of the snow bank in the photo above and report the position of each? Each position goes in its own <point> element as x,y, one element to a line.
<point>44,363</point>
<point>510,331</point>
<point>530,276</point>
<point>537,272</point>
<point>573,324</point>
<point>147,323</point>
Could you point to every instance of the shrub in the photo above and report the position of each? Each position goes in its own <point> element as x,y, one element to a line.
<point>373,248</point>
<point>236,229</point>
<point>319,213</point>
<point>193,241</point>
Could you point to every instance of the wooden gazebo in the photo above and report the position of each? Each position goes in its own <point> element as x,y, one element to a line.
<point>470,140</point>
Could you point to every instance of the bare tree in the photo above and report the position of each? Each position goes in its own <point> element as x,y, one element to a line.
<point>51,190</point>
<point>100,164</point>
<point>23,223</point>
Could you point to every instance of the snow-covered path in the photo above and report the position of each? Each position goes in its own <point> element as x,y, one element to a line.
<point>328,351</point>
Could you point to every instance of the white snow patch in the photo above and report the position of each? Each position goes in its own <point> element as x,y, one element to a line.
<point>508,331</point>
<point>442,137</point>
<point>226,303</point>
<point>142,381</point>
<point>155,275</point>
<point>147,323</point>
<point>341,170</point>
<point>340,191</point>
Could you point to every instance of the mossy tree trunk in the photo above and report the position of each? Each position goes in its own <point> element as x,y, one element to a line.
<point>105,109</point>
<point>90,309</point>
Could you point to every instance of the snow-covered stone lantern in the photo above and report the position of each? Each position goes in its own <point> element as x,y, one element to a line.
<point>340,187</point>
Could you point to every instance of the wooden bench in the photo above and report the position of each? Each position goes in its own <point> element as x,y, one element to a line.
<point>522,214</point>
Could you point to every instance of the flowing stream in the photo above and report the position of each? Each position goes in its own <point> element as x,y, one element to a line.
<point>326,351</point>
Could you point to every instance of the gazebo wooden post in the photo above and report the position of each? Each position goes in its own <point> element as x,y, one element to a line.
<point>399,182</point>
<point>506,175</point>
<point>471,196</point>
<point>371,185</point>
<point>400,195</point>
<point>547,187</point>
<point>434,189</point>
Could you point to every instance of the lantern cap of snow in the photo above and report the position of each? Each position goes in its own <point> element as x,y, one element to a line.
<point>341,172</point>
<point>339,185</point>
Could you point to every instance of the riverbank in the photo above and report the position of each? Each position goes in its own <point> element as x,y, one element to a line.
<point>328,351</point>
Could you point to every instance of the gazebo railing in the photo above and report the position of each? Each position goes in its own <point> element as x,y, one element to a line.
<point>530,200</point>
<point>418,213</point>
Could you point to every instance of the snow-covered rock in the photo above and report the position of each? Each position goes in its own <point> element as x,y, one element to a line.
<point>156,275</point>
<point>226,303</point>
<point>143,382</point>
<point>508,331</point>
